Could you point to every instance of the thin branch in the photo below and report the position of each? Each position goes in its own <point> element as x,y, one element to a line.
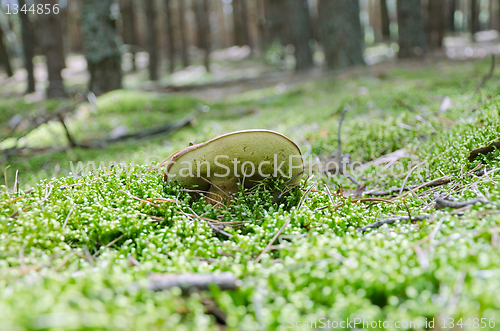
<point>186,282</point>
<point>442,203</point>
<point>394,219</point>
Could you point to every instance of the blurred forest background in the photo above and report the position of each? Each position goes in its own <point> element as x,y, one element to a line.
<point>163,45</point>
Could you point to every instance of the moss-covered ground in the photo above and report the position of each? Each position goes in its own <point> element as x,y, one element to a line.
<point>73,247</point>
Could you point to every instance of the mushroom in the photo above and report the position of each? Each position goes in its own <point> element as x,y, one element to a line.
<point>246,157</point>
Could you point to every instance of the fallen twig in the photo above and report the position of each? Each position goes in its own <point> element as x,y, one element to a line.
<point>272,240</point>
<point>442,203</point>
<point>186,282</point>
<point>487,76</point>
<point>394,219</point>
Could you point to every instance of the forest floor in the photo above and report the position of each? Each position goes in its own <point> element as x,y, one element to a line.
<point>79,243</point>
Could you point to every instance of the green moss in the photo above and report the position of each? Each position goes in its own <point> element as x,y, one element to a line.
<point>320,266</point>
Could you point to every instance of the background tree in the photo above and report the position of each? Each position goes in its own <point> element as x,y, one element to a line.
<point>28,38</point>
<point>275,24</point>
<point>410,28</point>
<point>182,30</point>
<point>240,23</point>
<point>437,23</point>
<point>151,39</point>
<point>101,46</point>
<point>300,33</point>
<point>51,40</point>
<point>386,22</point>
<point>128,28</point>
<point>205,23</point>
<point>452,8</point>
<point>474,21</point>
<point>341,30</point>
<point>4,55</point>
<point>170,35</point>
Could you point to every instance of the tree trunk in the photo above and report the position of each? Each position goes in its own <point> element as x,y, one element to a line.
<point>28,36</point>
<point>75,26</point>
<point>4,55</point>
<point>411,30</point>
<point>473,19</point>
<point>51,39</point>
<point>342,36</point>
<point>240,23</point>
<point>300,32</point>
<point>129,29</point>
<point>197,8</point>
<point>170,36</point>
<point>276,25</point>
<point>437,23</point>
<point>182,28</point>
<point>151,39</point>
<point>101,46</point>
<point>490,11</point>
<point>386,22</point>
<point>452,7</point>
<point>261,24</point>
<point>206,36</point>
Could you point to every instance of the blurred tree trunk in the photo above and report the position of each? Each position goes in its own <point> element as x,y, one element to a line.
<point>240,23</point>
<point>101,46</point>
<point>452,7</point>
<point>300,33</point>
<point>151,39</point>
<point>75,26</point>
<point>206,35</point>
<point>276,25</point>
<point>197,9</point>
<point>200,8</point>
<point>375,19</point>
<point>411,30</point>
<point>386,22</point>
<point>474,22</point>
<point>129,29</point>
<point>4,55</point>
<point>182,29</point>
<point>341,30</point>
<point>170,36</point>
<point>28,37</point>
<point>51,40</point>
<point>261,23</point>
<point>490,12</point>
<point>437,23</point>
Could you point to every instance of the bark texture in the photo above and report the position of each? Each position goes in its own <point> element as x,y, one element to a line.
<point>300,33</point>
<point>341,33</point>
<point>410,28</point>
<point>101,46</point>
<point>28,37</point>
<point>51,38</point>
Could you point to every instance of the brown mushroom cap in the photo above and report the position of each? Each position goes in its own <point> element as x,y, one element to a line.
<point>215,159</point>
